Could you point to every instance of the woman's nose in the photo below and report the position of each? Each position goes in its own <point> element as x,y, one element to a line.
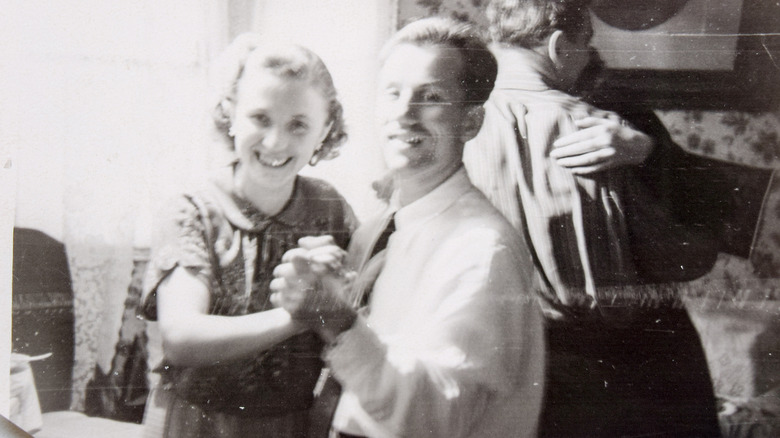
<point>274,139</point>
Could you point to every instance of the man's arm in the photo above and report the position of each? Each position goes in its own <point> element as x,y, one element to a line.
<point>601,144</point>
<point>721,197</point>
<point>440,379</point>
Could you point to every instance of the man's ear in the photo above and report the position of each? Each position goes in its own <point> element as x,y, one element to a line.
<point>555,47</point>
<point>475,114</point>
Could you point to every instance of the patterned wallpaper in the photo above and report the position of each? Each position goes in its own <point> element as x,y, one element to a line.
<point>752,139</point>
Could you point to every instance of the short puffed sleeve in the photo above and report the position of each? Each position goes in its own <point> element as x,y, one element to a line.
<point>182,236</point>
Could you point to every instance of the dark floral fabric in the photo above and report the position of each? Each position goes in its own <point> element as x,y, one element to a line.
<point>233,248</point>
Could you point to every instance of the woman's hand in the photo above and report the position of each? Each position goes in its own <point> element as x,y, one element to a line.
<point>601,144</point>
<point>310,285</point>
<point>193,337</point>
<point>323,255</point>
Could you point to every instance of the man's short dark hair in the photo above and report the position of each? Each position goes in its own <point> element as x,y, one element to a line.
<point>479,65</point>
<point>527,23</point>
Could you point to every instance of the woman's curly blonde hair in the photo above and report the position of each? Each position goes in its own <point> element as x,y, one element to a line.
<point>286,61</point>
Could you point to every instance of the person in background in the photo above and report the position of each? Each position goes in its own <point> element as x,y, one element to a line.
<point>723,199</point>
<point>233,364</point>
<point>564,173</point>
<point>451,341</point>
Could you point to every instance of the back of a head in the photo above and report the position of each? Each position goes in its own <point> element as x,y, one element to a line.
<point>527,23</point>
<point>480,66</point>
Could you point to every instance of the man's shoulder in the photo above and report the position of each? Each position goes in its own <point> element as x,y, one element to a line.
<point>478,232</point>
<point>542,100</point>
<point>474,213</point>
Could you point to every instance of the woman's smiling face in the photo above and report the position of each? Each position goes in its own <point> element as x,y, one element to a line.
<point>277,124</point>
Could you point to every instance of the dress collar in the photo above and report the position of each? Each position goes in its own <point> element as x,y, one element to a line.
<point>435,202</point>
<point>242,214</point>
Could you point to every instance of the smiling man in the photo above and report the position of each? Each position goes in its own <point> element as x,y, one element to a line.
<point>450,343</point>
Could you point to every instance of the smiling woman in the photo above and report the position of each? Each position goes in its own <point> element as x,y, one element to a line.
<point>102,143</point>
<point>283,116</point>
<point>232,364</point>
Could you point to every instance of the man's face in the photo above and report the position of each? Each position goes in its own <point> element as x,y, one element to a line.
<point>422,112</point>
<point>575,55</point>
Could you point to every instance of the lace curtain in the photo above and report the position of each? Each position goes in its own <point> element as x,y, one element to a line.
<point>104,104</point>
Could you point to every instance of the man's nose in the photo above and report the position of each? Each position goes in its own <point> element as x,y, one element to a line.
<point>403,109</point>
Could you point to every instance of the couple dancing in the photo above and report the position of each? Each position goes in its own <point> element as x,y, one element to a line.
<point>431,320</point>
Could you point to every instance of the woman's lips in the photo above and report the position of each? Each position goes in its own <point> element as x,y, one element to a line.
<point>272,162</point>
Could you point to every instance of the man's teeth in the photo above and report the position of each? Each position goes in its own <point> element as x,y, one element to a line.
<point>410,140</point>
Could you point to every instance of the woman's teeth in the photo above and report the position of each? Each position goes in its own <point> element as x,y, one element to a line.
<point>272,162</point>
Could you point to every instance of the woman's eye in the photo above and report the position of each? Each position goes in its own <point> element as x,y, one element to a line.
<point>298,127</point>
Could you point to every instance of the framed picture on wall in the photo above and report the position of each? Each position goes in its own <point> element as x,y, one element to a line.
<point>694,54</point>
<point>668,54</point>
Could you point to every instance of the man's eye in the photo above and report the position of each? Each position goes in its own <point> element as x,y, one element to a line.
<point>262,120</point>
<point>432,97</point>
<point>392,93</point>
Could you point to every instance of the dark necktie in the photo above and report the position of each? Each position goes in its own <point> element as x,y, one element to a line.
<point>328,389</point>
<point>370,270</point>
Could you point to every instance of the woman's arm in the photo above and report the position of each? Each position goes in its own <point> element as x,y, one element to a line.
<point>192,337</point>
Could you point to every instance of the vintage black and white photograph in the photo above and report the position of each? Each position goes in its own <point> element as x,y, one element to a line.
<point>390,218</point>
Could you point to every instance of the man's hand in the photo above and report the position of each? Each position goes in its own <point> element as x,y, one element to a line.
<point>310,285</point>
<point>601,144</point>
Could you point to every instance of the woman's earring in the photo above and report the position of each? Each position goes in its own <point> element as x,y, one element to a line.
<point>315,158</point>
<point>231,131</point>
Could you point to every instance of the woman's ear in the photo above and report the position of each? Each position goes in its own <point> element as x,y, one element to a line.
<point>325,132</point>
<point>475,114</point>
<point>317,155</point>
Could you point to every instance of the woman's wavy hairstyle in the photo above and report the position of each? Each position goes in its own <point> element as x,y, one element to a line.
<point>479,65</point>
<point>285,61</point>
<point>527,23</point>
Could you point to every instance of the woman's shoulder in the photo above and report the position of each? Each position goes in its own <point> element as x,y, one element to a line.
<point>317,188</point>
<point>320,204</point>
<point>195,209</point>
<point>316,195</point>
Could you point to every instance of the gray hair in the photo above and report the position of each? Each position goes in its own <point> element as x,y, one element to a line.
<point>527,23</point>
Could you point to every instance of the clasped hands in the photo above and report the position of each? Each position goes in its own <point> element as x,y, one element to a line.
<point>601,143</point>
<point>311,285</point>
